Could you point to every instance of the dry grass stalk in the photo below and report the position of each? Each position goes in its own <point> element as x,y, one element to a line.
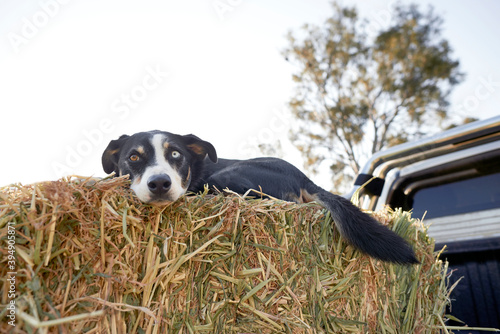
<point>91,258</point>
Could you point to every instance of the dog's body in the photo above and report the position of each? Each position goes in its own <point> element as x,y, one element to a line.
<point>163,166</point>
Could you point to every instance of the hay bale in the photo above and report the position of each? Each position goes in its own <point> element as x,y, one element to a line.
<point>90,258</point>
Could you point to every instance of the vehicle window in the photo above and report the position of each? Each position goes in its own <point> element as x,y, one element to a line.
<point>476,194</point>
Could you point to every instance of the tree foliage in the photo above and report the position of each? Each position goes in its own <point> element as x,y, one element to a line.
<point>359,91</point>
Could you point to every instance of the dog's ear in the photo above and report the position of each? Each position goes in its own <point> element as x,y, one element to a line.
<point>111,153</point>
<point>200,147</point>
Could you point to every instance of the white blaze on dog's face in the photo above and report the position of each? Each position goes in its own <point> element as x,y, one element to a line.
<point>159,164</point>
<point>160,174</point>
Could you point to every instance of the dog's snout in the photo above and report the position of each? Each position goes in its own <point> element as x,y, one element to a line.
<point>159,184</point>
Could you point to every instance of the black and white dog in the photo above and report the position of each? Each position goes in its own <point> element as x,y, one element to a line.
<point>163,166</point>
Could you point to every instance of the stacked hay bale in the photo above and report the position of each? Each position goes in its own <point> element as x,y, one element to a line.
<point>90,258</point>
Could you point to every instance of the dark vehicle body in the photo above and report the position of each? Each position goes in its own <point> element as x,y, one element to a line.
<point>452,180</point>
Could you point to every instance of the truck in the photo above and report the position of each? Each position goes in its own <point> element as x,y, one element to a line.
<point>452,181</point>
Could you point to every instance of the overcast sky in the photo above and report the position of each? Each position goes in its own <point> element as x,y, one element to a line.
<point>76,74</point>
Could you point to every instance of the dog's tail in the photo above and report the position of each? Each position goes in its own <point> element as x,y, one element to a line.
<point>364,232</point>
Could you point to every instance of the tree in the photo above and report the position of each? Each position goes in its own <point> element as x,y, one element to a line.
<point>358,92</point>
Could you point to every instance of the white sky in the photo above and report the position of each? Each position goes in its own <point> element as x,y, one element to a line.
<point>76,74</point>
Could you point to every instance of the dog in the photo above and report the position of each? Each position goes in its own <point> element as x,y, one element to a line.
<point>163,166</point>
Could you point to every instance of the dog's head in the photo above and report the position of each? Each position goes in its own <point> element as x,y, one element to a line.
<point>160,164</point>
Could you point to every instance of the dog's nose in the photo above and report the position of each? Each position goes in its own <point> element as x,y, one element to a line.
<point>159,184</point>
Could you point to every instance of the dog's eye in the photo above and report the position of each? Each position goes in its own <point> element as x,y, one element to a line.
<point>175,154</point>
<point>134,157</point>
